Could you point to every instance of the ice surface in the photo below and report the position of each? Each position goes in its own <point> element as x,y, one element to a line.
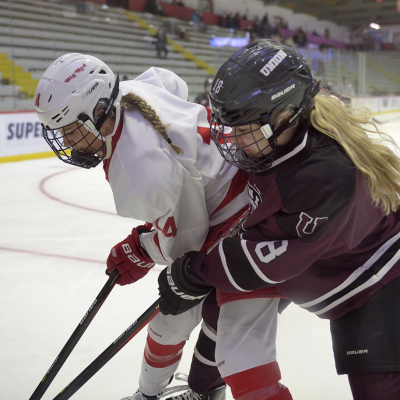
<point>57,226</point>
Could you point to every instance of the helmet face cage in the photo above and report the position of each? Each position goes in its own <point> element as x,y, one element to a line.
<point>228,145</point>
<point>258,82</point>
<point>60,142</point>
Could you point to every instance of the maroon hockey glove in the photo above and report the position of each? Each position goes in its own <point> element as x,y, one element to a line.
<point>130,258</point>
<point>180,290</point>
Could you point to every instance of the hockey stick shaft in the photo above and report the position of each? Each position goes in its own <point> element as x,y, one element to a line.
<point>110,352</point>
<point>76,335</point>
<point>131,331</point>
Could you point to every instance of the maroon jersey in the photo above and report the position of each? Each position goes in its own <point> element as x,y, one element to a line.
<point>314,232</point>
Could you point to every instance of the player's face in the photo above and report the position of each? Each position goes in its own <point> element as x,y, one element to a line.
<point>77,136</point>
<point>254,143</point>
<point>251,140</point>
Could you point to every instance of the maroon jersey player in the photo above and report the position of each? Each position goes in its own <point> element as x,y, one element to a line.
<point>325,224</point>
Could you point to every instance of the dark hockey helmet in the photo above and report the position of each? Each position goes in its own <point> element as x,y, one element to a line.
<point>253,87</point>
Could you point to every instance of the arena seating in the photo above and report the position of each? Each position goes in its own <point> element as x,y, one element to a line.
<point>40,33</point>
<point>35,32</point>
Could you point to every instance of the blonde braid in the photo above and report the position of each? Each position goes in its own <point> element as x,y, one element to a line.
<point>133,102</point>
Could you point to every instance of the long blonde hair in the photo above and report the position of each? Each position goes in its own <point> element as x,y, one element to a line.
<point>366,146</point>
<point>131,101</point>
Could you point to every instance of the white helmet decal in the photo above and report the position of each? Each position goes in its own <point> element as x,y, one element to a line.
<point>273,63</point>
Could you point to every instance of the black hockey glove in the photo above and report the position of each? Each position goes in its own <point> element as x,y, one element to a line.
<point>179,290</point>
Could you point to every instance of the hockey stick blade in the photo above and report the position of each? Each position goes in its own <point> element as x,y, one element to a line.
<point>110,352</point>
<point>76,335</point>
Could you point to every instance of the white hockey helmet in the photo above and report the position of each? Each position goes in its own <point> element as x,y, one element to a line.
<point>73,89</point>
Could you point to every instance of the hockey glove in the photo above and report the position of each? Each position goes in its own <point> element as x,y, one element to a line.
<point>130,258</point>
<point>180,290</point>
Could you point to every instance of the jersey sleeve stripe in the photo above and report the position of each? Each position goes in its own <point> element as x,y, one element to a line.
<point>256,269</point>
<point>367,275</point>
<point>238,267</point>
<point>226,268</point>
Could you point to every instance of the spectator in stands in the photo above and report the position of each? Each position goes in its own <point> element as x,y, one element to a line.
<point>236,21</point>
<point>249,32</point>
<point>171,26</point>
<point>289,42</point>
<point>182,33</point>
<point>228,21</point>
<point>329,85</point>
<point>203,98</point>
<point>258,31</point>
<point>179,3</point>
<point>154,7</point>
<point>265,19</point>
<point>324,46</point>
<point>300,38</point>
<point>266,29</point>
<point>161,43</point>
<point>276,35</point>
<point>346,88</point>
<point>85,8</point>
<point>198,23</point>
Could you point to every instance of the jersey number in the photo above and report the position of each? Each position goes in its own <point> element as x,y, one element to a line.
<point>273,250</point>
<point>169,229</point>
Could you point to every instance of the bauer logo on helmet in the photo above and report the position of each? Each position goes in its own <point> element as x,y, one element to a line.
<point>282,92</point>
<point>90,90</point>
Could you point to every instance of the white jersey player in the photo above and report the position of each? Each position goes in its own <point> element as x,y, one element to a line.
<point>163,168</point>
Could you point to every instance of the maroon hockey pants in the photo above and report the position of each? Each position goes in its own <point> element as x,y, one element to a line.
<point>375,385</point>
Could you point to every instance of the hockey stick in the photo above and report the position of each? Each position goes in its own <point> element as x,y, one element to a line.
<point>76,335</point>
<point>110,352</point>
<point>386,121</point>
<point>131,331</point>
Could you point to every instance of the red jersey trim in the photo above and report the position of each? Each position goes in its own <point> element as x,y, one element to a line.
<point>114,141</point>
<point>205,134</point>
<point>238,184</point>
<point>157,242</point>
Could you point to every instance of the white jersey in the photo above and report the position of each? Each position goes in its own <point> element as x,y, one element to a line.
<point>182,196</point>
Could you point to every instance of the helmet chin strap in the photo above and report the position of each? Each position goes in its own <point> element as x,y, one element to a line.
<point>266,131</point>
<point>113,97</point>
<point>95,127</point>
<point>272,136</point>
